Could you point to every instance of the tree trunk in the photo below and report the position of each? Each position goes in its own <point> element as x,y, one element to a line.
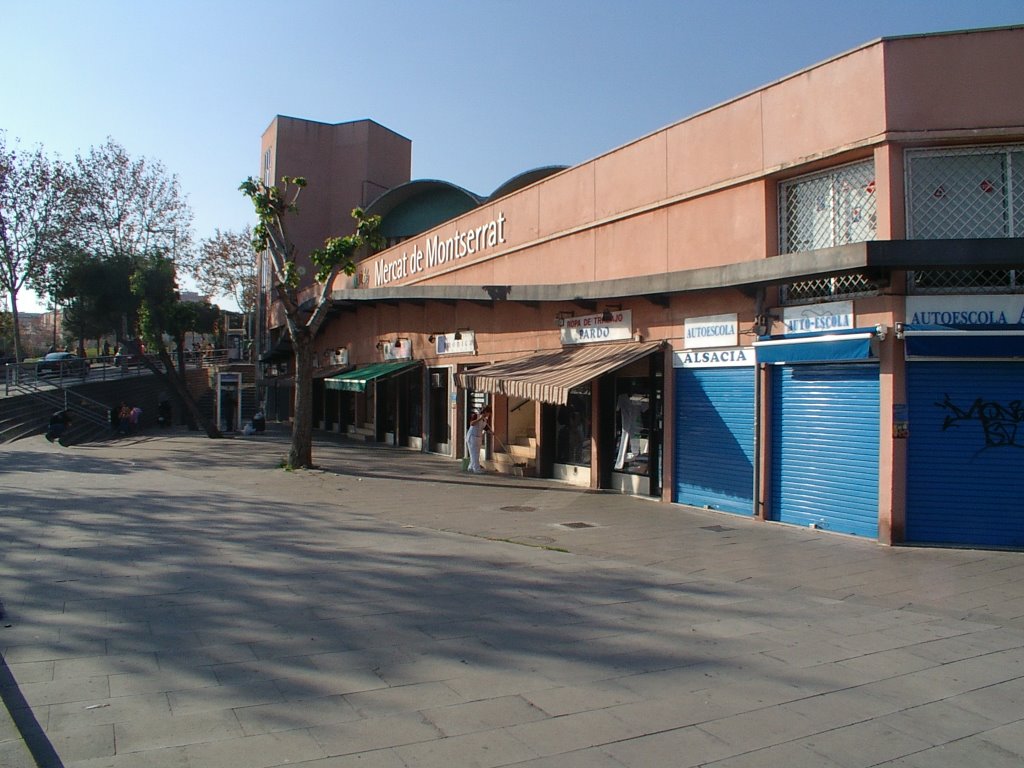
<point>19,353</point>
<point>300,455</point>
<point>181,393</point>
<point>180,349</point>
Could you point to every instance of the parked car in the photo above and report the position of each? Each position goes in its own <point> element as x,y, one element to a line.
<point>62,363</point>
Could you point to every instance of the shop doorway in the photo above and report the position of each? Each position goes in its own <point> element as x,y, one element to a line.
<point>439,438</point>
<point>637,412</point>
<point>572,438</point>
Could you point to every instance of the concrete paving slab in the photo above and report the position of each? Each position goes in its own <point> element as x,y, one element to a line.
<point>473,716</point>
<point>387,611</point>
<point>164,730</point>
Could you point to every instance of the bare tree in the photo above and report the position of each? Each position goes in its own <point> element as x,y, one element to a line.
<point>163,315</point>
<point>130,206</point>
<point>37,213</point>
<point>225,265</point>
<point>305,303</point>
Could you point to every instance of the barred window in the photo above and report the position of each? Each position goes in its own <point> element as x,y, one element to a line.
<point>826,209</point>
<point>966,193</point>
<point>977,192</point>
<point>828,288</point>
<point>967,281</point>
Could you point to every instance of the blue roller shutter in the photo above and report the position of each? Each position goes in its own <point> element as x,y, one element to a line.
<point>714,438</point>
<point>824,447</point>
<point>965,453</point>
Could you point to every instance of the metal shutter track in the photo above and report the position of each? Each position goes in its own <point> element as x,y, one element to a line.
<point>964,485</point>
<point>824,461</point>
<point>714,443</point>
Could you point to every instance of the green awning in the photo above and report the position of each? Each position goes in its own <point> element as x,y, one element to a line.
<point>356,381</point>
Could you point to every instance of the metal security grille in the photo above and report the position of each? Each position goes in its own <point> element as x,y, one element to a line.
<point>967,281</point>
<point>842,287</point>
<point>826,209</point>
<point>966,193</point>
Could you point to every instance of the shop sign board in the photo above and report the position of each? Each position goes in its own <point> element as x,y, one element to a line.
<point>422,256</point>
<point>447,344</point>
<point>592,328</point>
<point>818,318</point>
<point>711,331</point>
<point>400,351</point>
<point>733,357</point>
<point>960,311</point>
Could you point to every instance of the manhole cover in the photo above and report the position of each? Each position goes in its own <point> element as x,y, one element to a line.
<point>518,509</point>
<point>576,525</point>
<point>716,528</point>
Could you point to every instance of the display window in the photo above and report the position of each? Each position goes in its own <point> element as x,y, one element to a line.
<point>633,418</point>
<point>572,438</point>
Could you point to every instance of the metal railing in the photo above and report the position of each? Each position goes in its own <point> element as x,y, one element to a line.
<point>62,375</point>
<point>58,398</point>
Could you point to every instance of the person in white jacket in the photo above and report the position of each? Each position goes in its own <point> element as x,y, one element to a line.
<point>478,424</point>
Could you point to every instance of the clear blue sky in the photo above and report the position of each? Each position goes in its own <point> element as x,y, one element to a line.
<point>485,89</point>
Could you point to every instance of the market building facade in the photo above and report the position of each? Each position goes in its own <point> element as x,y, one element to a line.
<point>804,305</point>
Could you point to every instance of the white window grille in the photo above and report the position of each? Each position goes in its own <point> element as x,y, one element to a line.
<point>974,192</point>
<point>828,288</point>
<point>967,281</point>
<point>822,210</point>
<point>965,193</point>
<point>826,209</point>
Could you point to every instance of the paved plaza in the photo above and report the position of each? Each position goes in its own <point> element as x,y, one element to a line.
<point>175,602</point>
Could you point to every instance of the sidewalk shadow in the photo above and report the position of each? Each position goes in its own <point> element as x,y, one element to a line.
<point>24,719</point>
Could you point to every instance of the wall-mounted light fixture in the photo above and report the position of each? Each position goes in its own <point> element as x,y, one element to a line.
<point>380,346</point>
<point>458,335</point>
<point>881,331</point>
<point>763,324</point>
<point>607,316</point>
<point>560,317</point>
<point>432,338</point>
<point>397,344</point>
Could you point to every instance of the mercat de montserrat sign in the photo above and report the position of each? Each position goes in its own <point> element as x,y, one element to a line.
<point>437,252</point>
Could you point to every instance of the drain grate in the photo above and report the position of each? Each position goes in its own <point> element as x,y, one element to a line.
<point>514,508</point>
<point>716,528</point>
<point>577,525</point>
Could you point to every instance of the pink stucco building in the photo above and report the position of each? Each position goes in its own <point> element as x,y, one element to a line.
<point>805,304</point>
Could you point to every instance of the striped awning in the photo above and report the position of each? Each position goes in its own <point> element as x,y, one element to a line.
<point>549,376</point>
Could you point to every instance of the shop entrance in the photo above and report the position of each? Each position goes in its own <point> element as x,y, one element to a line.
<point>636,463</point>
<point>572,437</point>
<point>439,439</point>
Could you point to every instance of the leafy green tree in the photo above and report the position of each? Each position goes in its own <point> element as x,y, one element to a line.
<point>124,209</point>
<point>38,210</point>
<point>163,315</point>
<point>96,294</point>
<point>305,304</point>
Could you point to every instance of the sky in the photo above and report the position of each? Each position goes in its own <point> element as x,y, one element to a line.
<point>485,89</point>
